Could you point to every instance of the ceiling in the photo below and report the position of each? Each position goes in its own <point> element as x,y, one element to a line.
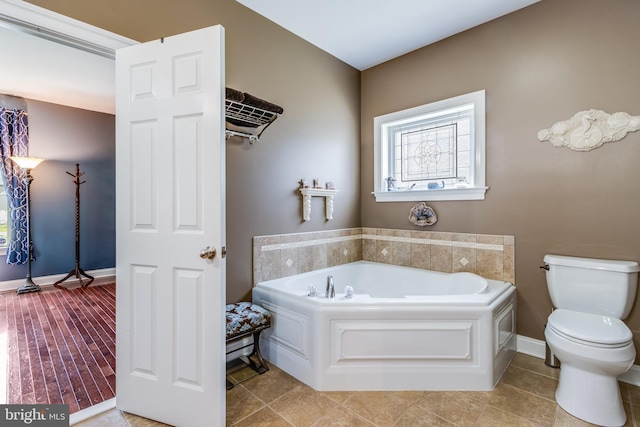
<point>51,72</point>
<point>358,32</point>
<point>365,33</point>
<point>53,58</point>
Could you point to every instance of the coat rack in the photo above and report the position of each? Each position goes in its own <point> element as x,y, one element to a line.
<point>77,272</point>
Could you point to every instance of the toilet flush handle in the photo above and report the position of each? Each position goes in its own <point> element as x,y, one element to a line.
<point>545,267</point>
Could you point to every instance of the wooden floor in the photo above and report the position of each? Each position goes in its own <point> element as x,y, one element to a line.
<point>60,345</point>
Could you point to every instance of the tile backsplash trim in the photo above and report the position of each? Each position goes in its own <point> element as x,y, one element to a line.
<point>490,256</point>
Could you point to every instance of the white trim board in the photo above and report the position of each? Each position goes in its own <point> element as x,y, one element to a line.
<point>92,411</point>
<point>537,348</point>
<point>24,16</point>
<point>101,276</point>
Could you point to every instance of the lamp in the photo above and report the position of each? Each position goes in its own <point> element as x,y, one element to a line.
<point>28,163</point>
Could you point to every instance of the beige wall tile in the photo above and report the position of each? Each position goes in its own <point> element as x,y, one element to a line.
<point>489,239</point>
<point>266,240</point>
<point>305,237</point>
<point>288,262</point>
<point>463,237</point>
<point>439,235</point>
<point>425,235</point>
<point>368,249</point>
<point>257,264</point>
<point>442,251</point>
<point>384,251</point>
<point>369,231</point>
<point>401,233</point>
<point>385,232</point>
<point>463,259</point>
<point>402,253</point>
<point>306,258</point>
<point>421,256</point>
<point>270,265</point>
<point>335,254</point>
<point>441,258</point>
<point>355,250</point>
<point>490,264</point>
<point>288,238</point>
<point>509,260</point>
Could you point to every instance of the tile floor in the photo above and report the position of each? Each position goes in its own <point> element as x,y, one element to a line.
<point>523,397</point>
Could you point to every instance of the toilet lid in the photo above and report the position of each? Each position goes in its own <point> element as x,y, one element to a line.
<point>593,329</point>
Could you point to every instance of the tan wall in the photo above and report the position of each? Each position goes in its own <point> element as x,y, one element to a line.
<point>538,66</point>
<point>316,137</point>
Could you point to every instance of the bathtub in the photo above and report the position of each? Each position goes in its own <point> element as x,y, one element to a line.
<point>404,328</point>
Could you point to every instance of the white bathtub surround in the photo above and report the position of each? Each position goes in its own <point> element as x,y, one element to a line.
<point>490,256</point>
<point>404,329</point>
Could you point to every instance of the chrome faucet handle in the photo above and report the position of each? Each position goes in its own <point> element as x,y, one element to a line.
<point>330,291</point>
<point>312,291</point>
<point>348,292</point>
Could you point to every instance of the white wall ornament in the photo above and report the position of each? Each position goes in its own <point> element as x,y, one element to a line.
<point>307,193</point>
<point>590,129</point>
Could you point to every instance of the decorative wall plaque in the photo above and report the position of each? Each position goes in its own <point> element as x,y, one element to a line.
<point>590,129</point>
<point>421,214</point>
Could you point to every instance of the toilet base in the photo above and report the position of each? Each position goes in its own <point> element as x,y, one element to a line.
<point>590,397</point>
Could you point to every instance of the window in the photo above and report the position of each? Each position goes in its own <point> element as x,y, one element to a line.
<point>432,152</point>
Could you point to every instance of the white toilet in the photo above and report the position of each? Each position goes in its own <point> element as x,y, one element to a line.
<point>587,335</point>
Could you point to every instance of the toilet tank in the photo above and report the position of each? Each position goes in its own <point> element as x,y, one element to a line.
<point>597,286</point>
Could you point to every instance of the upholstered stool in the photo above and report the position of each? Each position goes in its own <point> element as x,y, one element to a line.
<point>244,319</point>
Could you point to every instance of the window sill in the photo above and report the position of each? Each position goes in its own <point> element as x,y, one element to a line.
<point>469,193</point>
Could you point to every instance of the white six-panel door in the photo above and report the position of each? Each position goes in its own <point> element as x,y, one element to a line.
<point>170,207</point>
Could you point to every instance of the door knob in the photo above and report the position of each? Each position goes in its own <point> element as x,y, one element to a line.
<point>208,253</point>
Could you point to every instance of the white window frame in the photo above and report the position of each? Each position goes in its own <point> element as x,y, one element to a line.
<point>383,132</point>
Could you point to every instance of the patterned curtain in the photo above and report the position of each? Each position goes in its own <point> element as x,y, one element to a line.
<point>14,141</point>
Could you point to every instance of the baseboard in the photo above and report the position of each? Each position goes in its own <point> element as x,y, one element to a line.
<point>531,346</point>
<point>101,276</point>
<point>92,411</point>
<point>537,348</point>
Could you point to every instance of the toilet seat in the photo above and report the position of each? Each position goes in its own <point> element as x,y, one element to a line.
<point>590,329</point>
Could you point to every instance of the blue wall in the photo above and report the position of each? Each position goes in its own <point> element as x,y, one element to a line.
<point>64,136</point>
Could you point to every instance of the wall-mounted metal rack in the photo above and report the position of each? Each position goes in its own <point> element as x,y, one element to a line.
<point>245,119</point>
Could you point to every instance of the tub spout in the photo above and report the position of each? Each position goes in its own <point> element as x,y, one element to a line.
<point>331,290</point>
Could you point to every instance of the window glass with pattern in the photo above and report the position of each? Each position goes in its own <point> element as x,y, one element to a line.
<point>432,152</point>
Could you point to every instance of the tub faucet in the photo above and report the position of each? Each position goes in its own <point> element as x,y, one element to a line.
<point>331,290</point>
